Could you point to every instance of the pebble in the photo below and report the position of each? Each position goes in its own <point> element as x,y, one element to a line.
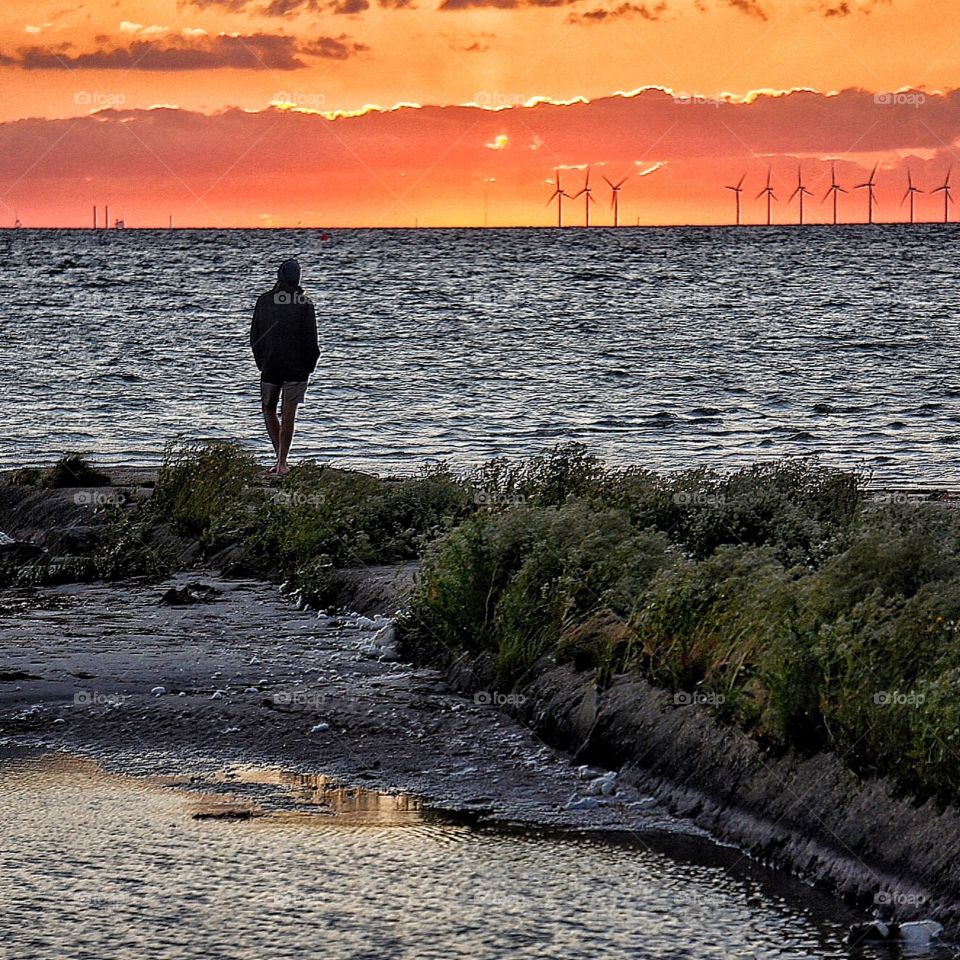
<point>582,803</point>
<point>319,727</point>
<point>216,695</point>
<point>158,691</point>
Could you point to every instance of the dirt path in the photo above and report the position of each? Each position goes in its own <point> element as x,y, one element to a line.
<point>248,678</point>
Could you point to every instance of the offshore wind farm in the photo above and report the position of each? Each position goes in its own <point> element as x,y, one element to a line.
<point>768,200</point>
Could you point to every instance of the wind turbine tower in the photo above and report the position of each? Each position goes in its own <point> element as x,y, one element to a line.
<point>800,192</point>
<point>558,195</point>
<point>768,191</point>
<point>869,186</point>
<point>586,191</point>
<point>947,196</point>
<point>737,190</point>
<point>912,191</point>
<point>835,189</point>
<point>614,199</point>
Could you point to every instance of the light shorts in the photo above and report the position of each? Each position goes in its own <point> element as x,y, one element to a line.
<point>292,391</point>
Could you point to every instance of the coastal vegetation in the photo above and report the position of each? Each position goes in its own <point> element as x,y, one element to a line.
<point>783,597</point>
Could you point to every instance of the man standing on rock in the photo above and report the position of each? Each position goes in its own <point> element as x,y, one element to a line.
<point>283,337</point>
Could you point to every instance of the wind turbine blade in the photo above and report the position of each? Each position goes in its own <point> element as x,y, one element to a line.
<point>739,185</point>
<point>827,194</point>
<point>622,181</point>
<point>609,183</point>
<point>792,195</point>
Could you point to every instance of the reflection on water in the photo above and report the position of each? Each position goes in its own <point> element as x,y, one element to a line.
<point>285,796</point>
<point>95,865</point>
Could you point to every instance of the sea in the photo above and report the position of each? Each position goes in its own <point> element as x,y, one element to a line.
<point>662,347</point>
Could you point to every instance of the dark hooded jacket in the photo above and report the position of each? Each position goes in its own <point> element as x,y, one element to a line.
<point>283,335</point>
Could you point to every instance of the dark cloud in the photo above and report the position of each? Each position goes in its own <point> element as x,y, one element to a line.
<point>502,4</point>
<point>599,14</point>
<point>750,7</point>
<point>286,8</point>
<point>848,8</point>
<point>332,48</point>
<point>259,51</point>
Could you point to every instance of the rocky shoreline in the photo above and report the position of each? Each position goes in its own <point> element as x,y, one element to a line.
<point>812,818</point>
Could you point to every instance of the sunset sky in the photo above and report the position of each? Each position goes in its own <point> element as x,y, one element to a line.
<point>457,112</point>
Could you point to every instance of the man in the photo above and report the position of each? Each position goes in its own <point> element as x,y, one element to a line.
<point>283,337</point>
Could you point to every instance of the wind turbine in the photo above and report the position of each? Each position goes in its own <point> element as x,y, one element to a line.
<point>558,195</point>
<point>615,199</point>
<point>801,192</point>
<point>737,190</point>
<point>835,189</point>
<point>947,196</point>
<point>911,190</point>
<point>869,187</point>
<point>768,190</point>
<point>587,192</point>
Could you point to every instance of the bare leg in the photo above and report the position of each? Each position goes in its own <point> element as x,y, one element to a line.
<point>273,426</point>
<point>289,412</point>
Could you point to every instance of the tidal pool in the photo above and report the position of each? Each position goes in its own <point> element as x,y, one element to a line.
<point>254,863</point>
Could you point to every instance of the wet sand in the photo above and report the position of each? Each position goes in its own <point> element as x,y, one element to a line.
<point>249,678</point>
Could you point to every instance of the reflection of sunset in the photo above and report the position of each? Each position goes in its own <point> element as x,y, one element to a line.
<point>538,88</point>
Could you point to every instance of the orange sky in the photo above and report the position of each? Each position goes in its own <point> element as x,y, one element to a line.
<point>78,81</point>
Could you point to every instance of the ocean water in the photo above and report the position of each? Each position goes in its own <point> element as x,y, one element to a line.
<point>97,865</point>
<point>663,347</point>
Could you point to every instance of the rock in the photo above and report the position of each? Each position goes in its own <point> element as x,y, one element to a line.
<point>874,931</point>
<point>19,551</point>
<point>586,772</point>
<point>216,695</point>
<point>919,931</point>
<point>319,727</point>
<point>603,786</point>
<point>582,803</point>
<point>59,720</point>
<point>158,691</point>
<point>190,593</point>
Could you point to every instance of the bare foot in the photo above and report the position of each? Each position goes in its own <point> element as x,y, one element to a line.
<point>273,469</point>
<point>282,468</point>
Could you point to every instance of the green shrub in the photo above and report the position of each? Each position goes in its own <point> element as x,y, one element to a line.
<point>202,488</point>
<point>76,470</point>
